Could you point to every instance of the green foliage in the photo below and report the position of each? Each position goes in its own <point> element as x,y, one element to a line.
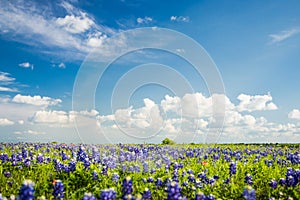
<point>168,141</point>
<point>81,180</point>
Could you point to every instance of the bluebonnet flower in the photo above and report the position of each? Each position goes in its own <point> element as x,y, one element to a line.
<point>158,182</point>
<point>88,196</point>
<point>87,163</point>
<point>147,195</point>
<point>212,181</point>
<point>200,196</point>
<point>4,157</point>
<point>290,181</point>
<point>210,197</point>
<point>153,171</point>
<point>7,174</point>
<point>273,184</point>
<point>145,167</point>
<point>27,190</point>
<point>115,177</point>
<point>104,170</point>
<point>24,153</point>
<point>249,193</point>
<point>81,155</point>
<point>175,166</point>
<point>10,183</point>
<point>95,175</point>
<point>108,194</point>
<point>137,168</point>
<point>72,165</point>
<point>123,168</point>
<point>248,179</point>
<point>175,176</point>
<point>185,183</point>
<point>27,162</point>
<point>150,180</point>
<point>282,181</point>
<point>131,169</point>
<point>174,191</point>
<point>40,158</point>
<point>232,168</point>
<point>64,156</point>
<point>198,184</point>
<point>58,165</point>
<point>58,189</point>
<point>127,186</point>
<point>191,178</point>
<point>202,175</point>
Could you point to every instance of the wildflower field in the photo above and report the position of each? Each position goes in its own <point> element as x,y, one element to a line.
<point>61,171</point>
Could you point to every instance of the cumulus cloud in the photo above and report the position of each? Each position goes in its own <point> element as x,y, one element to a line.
<point>75,24</point>
<point>148,116</point>
<point>28,22</point>
<point>180,18</point>
<point>194,105</point>
<point>60,118</point>
<point>51,117</point>
<point>36,100</point>
<point>6,122</point>
<point>294,114</point>
<point>179,117</point>
<point>257,102</point>
<point>144,20</point>
<point>96,39</point>
<point>26,65</point>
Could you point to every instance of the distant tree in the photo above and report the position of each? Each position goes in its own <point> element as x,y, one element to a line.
<point>168,141</point>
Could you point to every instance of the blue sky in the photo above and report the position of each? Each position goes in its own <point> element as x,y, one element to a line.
<point>45,45</point>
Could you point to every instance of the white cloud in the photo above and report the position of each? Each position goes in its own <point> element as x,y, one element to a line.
<point>180,18</point>
<point>51,117</point>
<point>294,114</point>
<point>147,117</point>
<point>62,65</point>
<point>61,118</point>
<point>144,20</point>
<point>171,104</point>
<point>75,24</point>
<point>193,105</point>
<point>30,24</point>
<point>4,99</point>
<point>31,132</point>
<point>96,39</point>
<point>26,65</point>
<point>5,77</point>
<point>34,132</point>
<point>6,89</point>
<point>173,117</point>
<point>6,82</point>
<point>283,35</point>
<point>257,102</point>
<point>6,122</point>
<point>36,100</point>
